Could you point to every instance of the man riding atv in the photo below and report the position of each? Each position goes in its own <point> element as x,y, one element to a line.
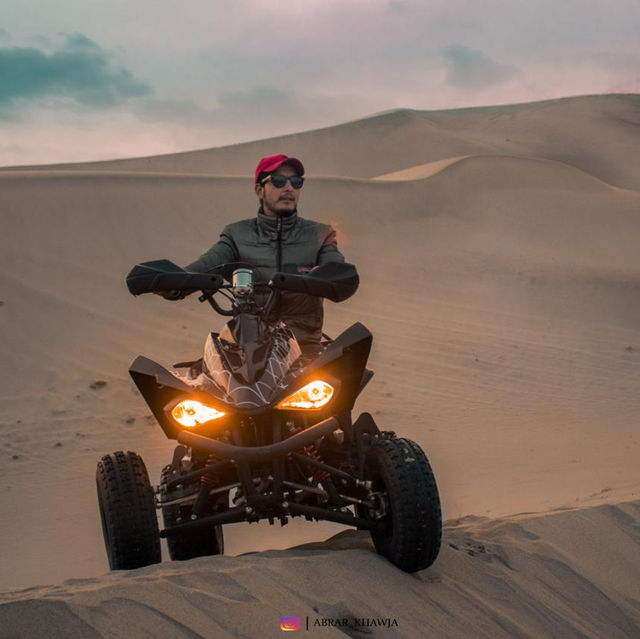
<point>277,239</point>
<point>263,419</point>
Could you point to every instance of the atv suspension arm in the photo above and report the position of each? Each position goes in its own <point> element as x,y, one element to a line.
<point>260,453</point>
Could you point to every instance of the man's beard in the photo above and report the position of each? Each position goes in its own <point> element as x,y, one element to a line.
<point>278,213</point>
<point>285,212</point>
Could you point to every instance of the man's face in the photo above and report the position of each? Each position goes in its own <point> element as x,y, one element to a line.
<point>279,201</point>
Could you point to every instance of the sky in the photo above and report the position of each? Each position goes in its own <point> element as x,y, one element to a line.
<point>89,80</point>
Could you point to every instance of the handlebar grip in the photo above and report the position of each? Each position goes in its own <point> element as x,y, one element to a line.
<point>163,276</point>
<point>185,282</point>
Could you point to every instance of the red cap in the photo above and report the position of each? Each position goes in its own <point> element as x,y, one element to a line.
<point>272,162</point>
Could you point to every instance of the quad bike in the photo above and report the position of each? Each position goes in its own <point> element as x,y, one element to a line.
<point>264,433</point>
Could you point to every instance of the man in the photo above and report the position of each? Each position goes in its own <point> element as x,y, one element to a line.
<point>278,239</point>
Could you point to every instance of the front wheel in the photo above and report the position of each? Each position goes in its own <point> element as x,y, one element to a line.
<point>408,508</point>
<point>127,511</point>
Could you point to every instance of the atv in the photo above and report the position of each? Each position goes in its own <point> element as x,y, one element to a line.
<point>264,432</point>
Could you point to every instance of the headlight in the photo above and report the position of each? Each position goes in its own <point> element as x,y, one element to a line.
<point>190,413</point>
<point>314,395</point>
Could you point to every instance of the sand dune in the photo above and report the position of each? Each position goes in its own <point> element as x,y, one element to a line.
<point>419,172</point>
<point>573,130</point>
<point>502,289</point>
<point>565,574</point>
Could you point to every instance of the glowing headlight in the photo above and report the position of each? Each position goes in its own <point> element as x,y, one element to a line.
<point>190,413</point>
<point>313,395</point>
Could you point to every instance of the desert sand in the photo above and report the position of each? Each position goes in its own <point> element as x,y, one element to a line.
<point>564,574</point>
<point>500,276</point>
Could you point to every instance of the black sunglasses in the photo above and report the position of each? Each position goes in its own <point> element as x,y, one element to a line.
<point>280,180</point>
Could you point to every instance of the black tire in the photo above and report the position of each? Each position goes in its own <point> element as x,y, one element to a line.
<point>198,543</point>
<point>412,528</point>
<point>127,511</point>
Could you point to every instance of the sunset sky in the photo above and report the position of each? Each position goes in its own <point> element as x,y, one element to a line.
<point>82,80</point>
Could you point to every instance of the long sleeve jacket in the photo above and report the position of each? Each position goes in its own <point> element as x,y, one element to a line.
<point>270,244</point>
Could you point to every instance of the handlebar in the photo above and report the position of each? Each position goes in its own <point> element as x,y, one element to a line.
<point>336,281</point>
<point>207,296</point>
<point>161,276</point>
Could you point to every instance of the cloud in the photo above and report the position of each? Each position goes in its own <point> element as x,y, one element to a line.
<point>258,102</point>
<point>78,70</point>
<point>397,5</point>
<point>169,110</point>
<point>258,105</point>
<point>616,61</point>
<point>4,35</point>
<point>472,69</point>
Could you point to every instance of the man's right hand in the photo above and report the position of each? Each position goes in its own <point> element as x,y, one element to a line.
<point>171,295</point>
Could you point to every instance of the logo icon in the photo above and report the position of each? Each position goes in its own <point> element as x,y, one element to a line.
<point>290,623</point>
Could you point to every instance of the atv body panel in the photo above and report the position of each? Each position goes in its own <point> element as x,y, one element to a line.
<point>343,361</point>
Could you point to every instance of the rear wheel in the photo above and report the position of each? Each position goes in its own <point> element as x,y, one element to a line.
<point>201,542</point>
<point>409,505</point>
<point>127,511</point>
<point>197,543</point>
